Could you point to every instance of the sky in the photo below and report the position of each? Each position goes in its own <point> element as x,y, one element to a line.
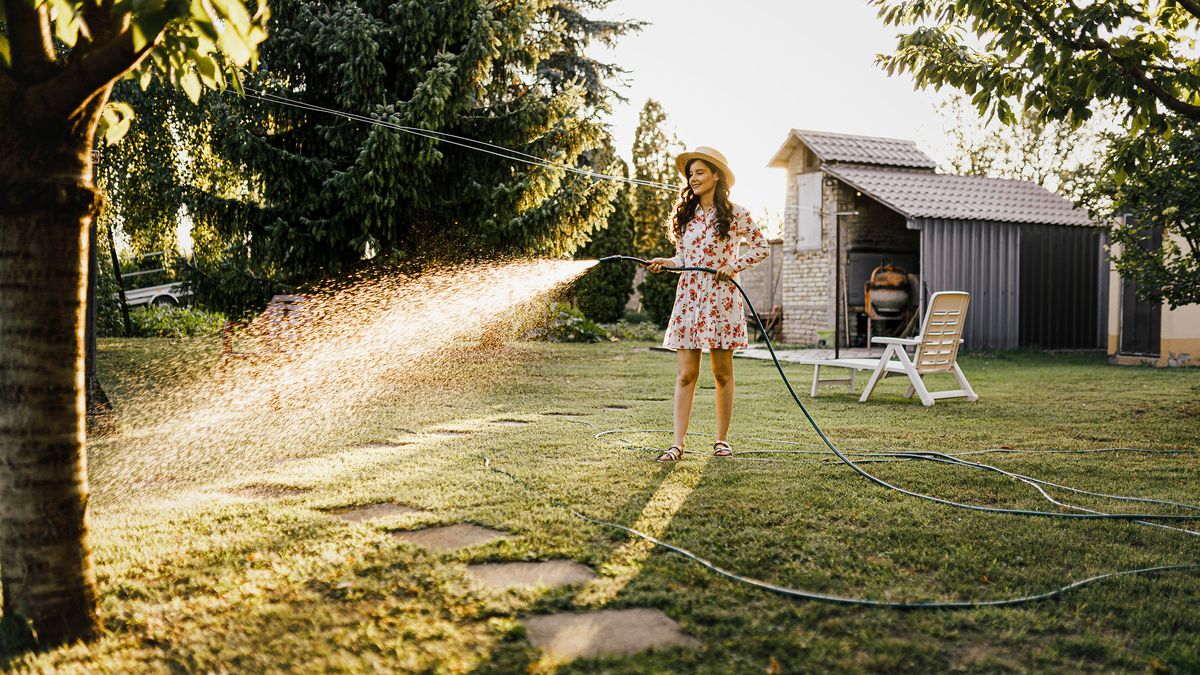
<point>738,75</point>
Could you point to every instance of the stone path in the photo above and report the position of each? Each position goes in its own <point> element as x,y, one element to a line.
<point>563,636</point>
<point>796,355</point>
<point>551,573</point>
<point>268,490</point>
<point>609,632</point>
<point>376,512</point>
<point>452,537</point>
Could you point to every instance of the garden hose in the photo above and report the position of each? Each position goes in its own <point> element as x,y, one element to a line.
<point>1088,514</point>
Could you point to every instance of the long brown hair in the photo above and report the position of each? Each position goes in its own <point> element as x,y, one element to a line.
<point>685,208</point>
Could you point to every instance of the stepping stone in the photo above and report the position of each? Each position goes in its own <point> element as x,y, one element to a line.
<point>375,512</point>
<point>552,573</point>
<point>269,490</point>
<point>610,632</point>
<point>447,433</point>
<point>452,537</point>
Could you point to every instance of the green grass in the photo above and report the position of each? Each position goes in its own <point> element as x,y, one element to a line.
<point>221,583</point>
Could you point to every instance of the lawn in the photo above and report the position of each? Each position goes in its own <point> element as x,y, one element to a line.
<point>239,564</point>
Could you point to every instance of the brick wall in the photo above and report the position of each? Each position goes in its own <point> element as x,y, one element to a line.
<point>808,277</point>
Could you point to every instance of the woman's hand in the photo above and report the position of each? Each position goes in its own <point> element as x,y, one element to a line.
<point>725,273</point>
<point>657,264</point>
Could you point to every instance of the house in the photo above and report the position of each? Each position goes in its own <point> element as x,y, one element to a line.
<point>1150,333</point>
<point>1034,264</point>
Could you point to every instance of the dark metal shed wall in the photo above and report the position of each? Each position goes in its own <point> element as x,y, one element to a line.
<point>1060,284</point>
<point>982,258</point>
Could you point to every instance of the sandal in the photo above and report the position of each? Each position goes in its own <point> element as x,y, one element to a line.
<point>672,454</point>
<point>722,449</point>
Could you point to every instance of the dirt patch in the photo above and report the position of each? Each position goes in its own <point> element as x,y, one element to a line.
<point>611,632</point>
<point>509,423</point>
<point>361,514</point>
<point>380,445</point>
<point>551,573</point>
<point>452,537</point>
<point>616,406</point>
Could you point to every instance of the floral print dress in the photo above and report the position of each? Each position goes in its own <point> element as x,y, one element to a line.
<point>709,314</point>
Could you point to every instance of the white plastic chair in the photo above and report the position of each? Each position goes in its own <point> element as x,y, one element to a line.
<point>936,352</point>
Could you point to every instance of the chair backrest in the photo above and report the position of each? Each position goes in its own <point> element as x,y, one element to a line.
<point>942,331</point>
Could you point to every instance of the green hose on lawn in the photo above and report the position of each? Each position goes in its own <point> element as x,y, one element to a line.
<point>1152,519</point>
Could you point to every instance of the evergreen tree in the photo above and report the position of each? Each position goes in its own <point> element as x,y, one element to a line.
<point>291,195</point>
<point>602,293</point>
<point>654,152</point>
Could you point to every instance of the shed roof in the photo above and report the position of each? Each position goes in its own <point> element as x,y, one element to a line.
<point>933,195</point>
<point>833,148</point>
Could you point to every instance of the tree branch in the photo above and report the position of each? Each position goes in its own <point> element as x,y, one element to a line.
<point>8,86</point>
<point>102,23</point>
<point>95,69</point>
<point>30,41</point>
<point>1192,6</point>
<point>1137,72</point>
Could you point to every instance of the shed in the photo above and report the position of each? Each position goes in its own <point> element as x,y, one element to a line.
<point>1034,264</point>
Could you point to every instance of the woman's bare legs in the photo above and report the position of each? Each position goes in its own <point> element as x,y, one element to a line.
<point>686,371</point>
<point>722,367</point>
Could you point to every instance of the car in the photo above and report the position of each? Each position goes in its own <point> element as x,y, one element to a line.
<point>171,295</point>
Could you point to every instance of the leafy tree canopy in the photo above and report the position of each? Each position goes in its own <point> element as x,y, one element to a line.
<point>1055,57</point>
<point>1147,192</point>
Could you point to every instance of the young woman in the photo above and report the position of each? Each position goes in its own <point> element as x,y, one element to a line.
<point>708,312</point>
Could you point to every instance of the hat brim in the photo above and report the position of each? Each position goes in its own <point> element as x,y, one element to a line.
<point>682,161</point>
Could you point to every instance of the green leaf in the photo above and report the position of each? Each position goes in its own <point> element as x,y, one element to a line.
<point>68,23</point>
<point>190,83</point>
<point>5,53</point>
<point>115,121</point>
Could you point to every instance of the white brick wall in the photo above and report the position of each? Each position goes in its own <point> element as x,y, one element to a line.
<point>807,276</point>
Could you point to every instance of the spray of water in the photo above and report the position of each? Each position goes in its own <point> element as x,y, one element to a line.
<point>308,370</point>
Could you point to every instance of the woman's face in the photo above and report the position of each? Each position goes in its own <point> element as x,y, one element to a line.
<point>701,177</point>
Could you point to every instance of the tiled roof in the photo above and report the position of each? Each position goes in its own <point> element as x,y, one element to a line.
<point>931,195</point>
<point>833,148</point>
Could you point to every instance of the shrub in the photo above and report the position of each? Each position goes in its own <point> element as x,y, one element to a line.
<point>563,322</point>
<point>604,290</point>
<point>658,296</point>
<point>638,331</point>
<point>170,321</point>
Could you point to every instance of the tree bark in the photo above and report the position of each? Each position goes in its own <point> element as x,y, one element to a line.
<point>47,204</point>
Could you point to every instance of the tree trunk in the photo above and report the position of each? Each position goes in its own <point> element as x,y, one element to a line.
<point>47,204</point>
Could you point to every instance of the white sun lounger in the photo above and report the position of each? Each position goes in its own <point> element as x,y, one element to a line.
<point>937,352</point>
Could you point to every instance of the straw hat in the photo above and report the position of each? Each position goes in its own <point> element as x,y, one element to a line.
<point>710,155</point>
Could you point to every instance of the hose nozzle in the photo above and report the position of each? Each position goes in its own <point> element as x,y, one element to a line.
<point>617,258</point>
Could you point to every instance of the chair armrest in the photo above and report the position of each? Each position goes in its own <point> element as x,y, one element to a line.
<point>897,341</point>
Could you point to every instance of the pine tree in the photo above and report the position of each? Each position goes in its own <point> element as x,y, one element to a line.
<point>654,152</point>
<point>602,293</point>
